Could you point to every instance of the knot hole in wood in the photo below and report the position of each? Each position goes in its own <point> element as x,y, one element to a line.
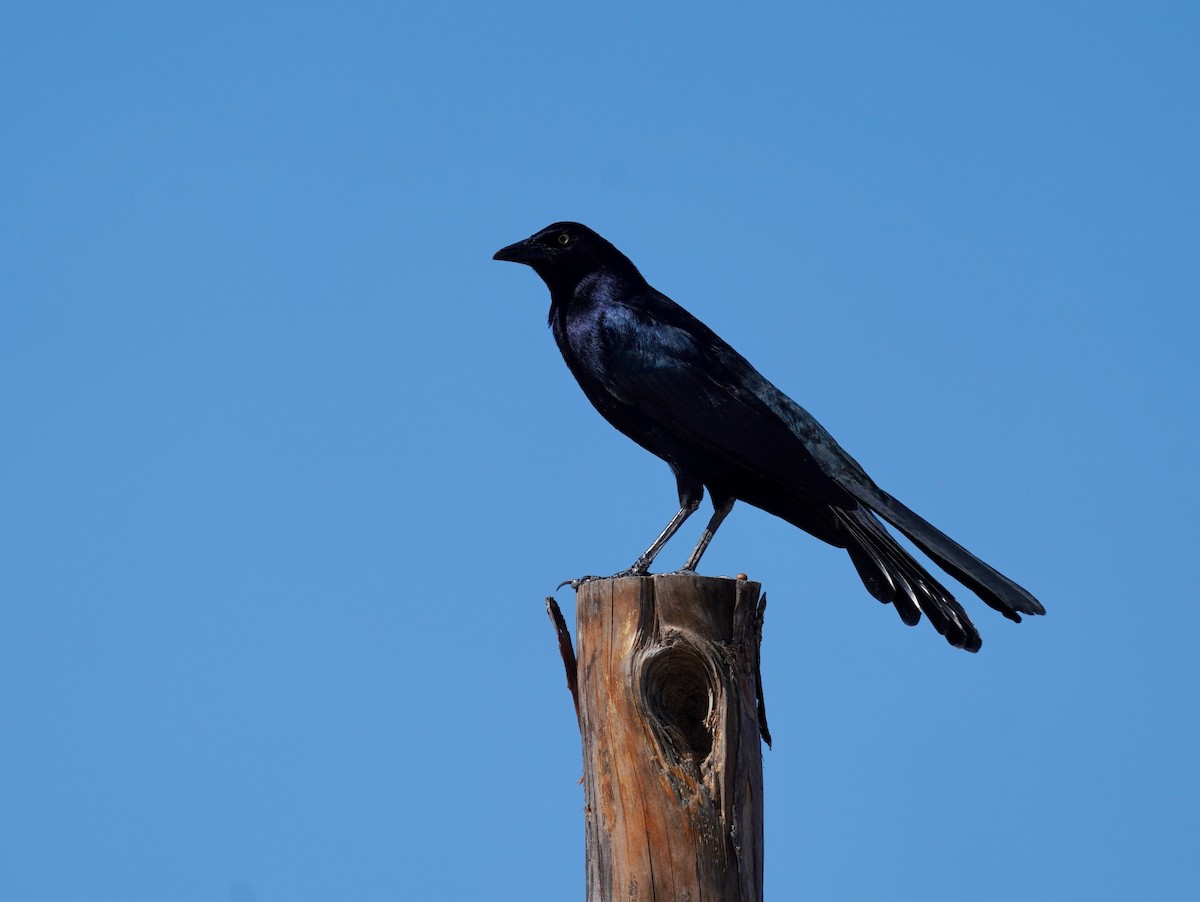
<point>680,691</point>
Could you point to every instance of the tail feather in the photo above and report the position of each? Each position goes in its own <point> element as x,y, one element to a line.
<point>880,579</point>
<point>996,589</point>
<point>891,574</point>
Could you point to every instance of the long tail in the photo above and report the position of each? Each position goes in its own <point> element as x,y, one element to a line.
<point>996,589</point>
<point>892,575</point>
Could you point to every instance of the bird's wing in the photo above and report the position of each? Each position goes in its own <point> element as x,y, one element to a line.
<point>700,390</point>
<point>680,374</point>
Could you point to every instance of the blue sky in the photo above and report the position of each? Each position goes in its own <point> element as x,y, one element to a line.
<point>290,464</point>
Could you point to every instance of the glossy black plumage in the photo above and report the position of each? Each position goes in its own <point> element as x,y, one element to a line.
<point>667,381</point>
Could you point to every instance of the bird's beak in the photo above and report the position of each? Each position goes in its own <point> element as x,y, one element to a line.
<point>522,252</point>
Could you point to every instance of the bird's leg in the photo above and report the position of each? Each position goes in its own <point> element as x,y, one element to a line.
<point>720,512</point>
<point>642,565</point>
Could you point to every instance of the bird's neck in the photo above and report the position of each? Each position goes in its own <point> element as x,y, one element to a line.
<point>595,288</point>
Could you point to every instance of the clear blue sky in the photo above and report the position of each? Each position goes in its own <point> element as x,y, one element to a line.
<point>289,464</point>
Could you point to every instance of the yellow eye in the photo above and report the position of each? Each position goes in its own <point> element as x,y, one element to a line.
<point>564,239</point>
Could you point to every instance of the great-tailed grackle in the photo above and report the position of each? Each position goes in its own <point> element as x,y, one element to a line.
<point>667,381</point>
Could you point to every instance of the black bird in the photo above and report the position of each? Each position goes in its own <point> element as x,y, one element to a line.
<point>667,381</point>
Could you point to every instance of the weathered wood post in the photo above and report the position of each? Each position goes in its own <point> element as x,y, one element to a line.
<point>670,709</point>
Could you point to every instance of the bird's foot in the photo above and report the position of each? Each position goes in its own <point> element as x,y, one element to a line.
<point>576,583</point>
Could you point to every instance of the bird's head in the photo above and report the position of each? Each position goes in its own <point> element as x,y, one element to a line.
<point>563,253</point>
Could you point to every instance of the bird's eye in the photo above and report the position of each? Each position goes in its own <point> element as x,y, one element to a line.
<point>564,239</point>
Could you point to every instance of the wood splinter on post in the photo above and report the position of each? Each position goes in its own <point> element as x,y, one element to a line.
<point>669,698</point>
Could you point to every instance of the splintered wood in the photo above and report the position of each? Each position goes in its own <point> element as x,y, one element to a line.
<point>669,705</point>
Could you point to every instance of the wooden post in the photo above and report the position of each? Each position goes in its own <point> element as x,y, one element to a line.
<point>670,709</point>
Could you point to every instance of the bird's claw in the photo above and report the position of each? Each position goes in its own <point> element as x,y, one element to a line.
<point>576,583</point>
